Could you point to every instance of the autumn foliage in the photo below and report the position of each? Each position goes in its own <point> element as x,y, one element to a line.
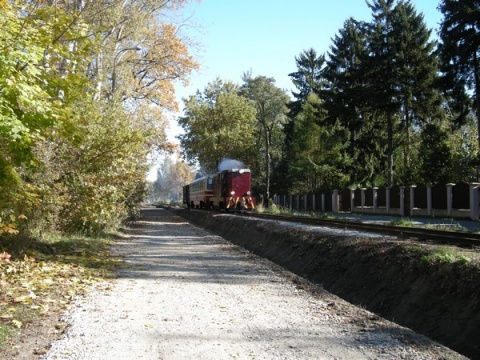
<point>84,87</point>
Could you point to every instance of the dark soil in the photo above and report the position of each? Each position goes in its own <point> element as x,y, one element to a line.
<point>394,278</point>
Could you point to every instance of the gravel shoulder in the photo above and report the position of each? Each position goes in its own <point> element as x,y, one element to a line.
<point>189,294</point>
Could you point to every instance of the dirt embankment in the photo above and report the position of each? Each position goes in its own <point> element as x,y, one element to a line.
<point>386,276</point>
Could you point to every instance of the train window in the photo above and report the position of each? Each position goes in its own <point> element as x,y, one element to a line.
<point>209,184</point>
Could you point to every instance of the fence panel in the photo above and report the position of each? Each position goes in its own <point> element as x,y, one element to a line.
<point>461,196</point>
<point>369,197</point>
<point>420,193</point>
<point>439,196</point>
<point>345,204</point>
<point>395,197</point>
<point>382,196</point>
<point>328,201</point>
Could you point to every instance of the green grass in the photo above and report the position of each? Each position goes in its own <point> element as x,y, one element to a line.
<point>5,331</point>
<point>401,222</point>
<point>445,255</point>
<point>452,227</point>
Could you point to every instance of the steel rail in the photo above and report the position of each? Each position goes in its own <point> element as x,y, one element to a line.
<point>441,236</point>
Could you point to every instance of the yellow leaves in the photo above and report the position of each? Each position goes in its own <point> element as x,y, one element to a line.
<point>9,225</point>
<point>26,299</point>
<point>35,286</point>
<point>8,228</point>
<point>18,324</point>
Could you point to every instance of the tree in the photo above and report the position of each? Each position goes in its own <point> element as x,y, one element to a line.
<point>307,79</point>
<point>319,150</point>
<point>270,112</point>
<point>78,80</point>
<point>218,123</point>
<point>346,102</point>
<point>435,155</point>
<point>460,54</point>
<point>417,91</point>
<point>401,74</point>
<point>38,83</point>
<point>172,175</point>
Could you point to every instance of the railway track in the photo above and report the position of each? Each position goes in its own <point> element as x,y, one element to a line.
<point>458,238</point>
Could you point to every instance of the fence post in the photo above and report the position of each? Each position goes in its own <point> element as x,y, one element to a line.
<point>474,200</point>
<point>429,200</point>
<point>412,198</point>
<point>352,197</point>
<point>314,205</point>
<point>374,194</point>
<point>335,201</point>
<point>387,200</point>
<point>363,199</point>
<point>449,199</point>
<point>402,200</point>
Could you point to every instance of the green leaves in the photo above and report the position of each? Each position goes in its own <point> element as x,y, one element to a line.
<point>219,123</point>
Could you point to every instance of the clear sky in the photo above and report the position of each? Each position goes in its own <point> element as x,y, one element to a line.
<point>266,35</point>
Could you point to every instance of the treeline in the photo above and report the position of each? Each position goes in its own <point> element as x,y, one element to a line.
<point>387,104</point>
<point>83,89</point>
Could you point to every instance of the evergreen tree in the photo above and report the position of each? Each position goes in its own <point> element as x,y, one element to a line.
<point>460,53</point>
<point>417,76</point>
<point>435,155</point>
<point>401,75</point>
<point>307,79</point>
<point>345,101</point>
<point>319,150</point>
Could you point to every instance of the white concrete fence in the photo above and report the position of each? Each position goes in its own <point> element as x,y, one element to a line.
<point>318,202</point>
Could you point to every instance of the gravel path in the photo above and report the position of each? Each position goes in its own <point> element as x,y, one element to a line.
<point>188,294</point>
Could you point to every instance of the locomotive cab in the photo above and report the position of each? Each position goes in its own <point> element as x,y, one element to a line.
<point>232,190</point>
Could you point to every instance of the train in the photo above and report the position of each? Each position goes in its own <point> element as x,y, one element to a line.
<point>228,190</point>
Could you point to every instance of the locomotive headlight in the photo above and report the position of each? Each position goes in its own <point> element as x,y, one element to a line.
<point>241,171</point>
<point>232,193</point>
<point>249,193</point>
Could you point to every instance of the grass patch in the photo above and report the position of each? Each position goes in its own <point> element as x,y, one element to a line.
<point>272,209</point>
<point>5,330</point>
<point>401,222</point>
<point>45,279</point>
<point>446,227</point>
<point>445,255</point>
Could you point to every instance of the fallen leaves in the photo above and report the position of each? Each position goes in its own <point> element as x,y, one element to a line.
<point>43,283</point>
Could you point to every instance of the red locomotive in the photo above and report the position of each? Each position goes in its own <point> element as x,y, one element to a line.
<point>227,190</point>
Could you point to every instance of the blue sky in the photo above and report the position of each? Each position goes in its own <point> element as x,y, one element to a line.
<point>235,36</point>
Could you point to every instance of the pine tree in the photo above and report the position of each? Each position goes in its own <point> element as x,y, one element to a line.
<point>460,54</point>
<point>401,75</point>
<point>307,79</point>
<point>345,100</point>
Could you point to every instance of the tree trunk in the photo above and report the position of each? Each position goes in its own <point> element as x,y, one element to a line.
<point>390,150</point>
<point>476,70</point>
<point>267,167</point>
